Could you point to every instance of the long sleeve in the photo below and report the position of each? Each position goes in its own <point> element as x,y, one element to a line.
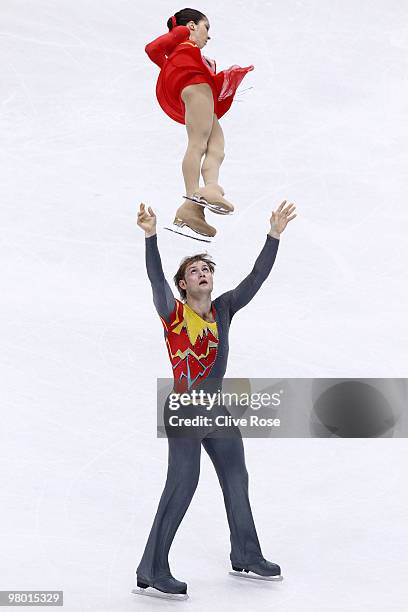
<point>245,291</point>
<point>163,297</point>
<point>161,47</point>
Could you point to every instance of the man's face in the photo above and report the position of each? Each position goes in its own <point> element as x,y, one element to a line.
<point>199,32</point>
<point>198,279</point>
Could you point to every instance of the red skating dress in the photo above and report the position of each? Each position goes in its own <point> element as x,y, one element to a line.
<point>181,64</point>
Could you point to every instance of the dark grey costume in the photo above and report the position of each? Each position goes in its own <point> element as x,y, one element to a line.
<point>227,454</point>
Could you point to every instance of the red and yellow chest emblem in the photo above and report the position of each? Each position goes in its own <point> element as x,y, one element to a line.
<point>192,346</point>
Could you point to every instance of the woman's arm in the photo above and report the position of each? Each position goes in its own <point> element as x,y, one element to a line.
<point>161,48</point>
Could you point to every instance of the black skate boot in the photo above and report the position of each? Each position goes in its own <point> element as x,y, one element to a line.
<point>260,570</point>
<point>165,587</point>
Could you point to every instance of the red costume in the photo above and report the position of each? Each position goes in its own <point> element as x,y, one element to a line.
<point>192,346</point>
<point>181,64</point>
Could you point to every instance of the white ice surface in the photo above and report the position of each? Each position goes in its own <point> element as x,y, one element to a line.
<point>83,141</point>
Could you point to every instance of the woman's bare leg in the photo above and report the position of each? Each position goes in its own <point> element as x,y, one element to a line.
<point>210,170</point>
<point>199,112</point>
<point>214,156</point>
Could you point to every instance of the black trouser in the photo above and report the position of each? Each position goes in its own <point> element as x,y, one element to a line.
<point>227,455</point>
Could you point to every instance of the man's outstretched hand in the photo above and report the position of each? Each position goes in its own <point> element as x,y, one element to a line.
<point>280,218</point>
<point>146,219</point>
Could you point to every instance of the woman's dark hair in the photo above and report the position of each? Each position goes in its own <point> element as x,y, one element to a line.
<point>184,16</point>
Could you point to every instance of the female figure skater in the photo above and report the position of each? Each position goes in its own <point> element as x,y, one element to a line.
<point>191,92</point>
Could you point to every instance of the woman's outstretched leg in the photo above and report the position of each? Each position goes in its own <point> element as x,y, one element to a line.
<point>199,104</point>
<point>199,110</point>
<point>210,170</point>
<point>214,155</point>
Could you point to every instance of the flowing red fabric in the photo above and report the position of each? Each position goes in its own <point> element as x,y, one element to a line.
<point>181,64</point>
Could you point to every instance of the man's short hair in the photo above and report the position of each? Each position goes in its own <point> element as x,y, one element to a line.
<point>183,267</point>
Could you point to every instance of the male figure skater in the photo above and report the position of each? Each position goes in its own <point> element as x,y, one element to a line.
<point>196,334</point>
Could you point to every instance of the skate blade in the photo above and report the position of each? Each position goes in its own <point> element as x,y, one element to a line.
<point>252,576</point>
<point>188,233</point>
<point>151,592</point>
<point>212,207</point>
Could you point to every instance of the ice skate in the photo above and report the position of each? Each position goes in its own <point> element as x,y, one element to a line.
<point>211,197</point>
<point>190,221</point>
<point>166,587</point>
<point>259,570</point>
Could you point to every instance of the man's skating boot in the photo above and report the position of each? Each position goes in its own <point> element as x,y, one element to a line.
<point>260,570</point>
<point>164,587</point>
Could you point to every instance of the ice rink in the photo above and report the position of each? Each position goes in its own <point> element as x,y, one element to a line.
<point>83,141</point>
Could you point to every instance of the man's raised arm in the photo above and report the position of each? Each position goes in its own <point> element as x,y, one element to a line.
<point>163,297</point>
<point>245,291</point>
